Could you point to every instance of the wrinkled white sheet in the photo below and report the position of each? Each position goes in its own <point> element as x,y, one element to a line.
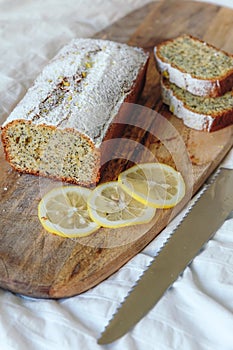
<point>197,312</point>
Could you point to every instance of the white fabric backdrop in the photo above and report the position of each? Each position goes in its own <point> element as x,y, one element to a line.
<point>196,313</point>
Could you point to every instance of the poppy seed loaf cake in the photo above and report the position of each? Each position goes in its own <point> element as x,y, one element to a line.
<point>195,66</point>
<point>58,128</point>
<point>200,113</point>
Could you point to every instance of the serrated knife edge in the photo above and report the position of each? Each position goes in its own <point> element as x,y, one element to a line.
<point>121,321</point>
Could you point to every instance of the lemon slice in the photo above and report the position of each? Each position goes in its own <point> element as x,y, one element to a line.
<point>110,206</point>
<point>154,184</point>
<point>63,211</point>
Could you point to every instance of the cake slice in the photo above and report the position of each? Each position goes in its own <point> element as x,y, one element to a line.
<point>195,66</point>
<point>59,128</point>
<point>200,113</point>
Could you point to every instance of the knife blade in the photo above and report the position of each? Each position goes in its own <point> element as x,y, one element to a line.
<point>197,227</point>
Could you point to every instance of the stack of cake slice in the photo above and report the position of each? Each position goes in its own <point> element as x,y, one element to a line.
<point>196,82</point>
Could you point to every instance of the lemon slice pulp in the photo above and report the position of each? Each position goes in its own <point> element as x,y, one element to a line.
<point>110,206</point>
<point>154,184</point>
<point>63,211</point>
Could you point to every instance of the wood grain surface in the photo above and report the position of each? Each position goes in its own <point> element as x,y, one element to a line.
<point>36,263</point>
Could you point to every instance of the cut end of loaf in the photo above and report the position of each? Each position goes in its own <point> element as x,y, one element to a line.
<point>47,151</point>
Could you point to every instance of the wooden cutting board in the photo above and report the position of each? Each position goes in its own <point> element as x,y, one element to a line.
<point>36,263</point>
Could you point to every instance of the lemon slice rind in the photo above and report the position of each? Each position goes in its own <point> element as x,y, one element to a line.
<point>131,209</point>
<point>45,212</point>
<point>144,194</point>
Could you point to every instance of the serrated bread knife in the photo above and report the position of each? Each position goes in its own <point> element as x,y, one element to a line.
<point>198,226</point>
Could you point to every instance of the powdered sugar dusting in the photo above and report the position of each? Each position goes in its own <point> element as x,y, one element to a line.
<point>83,87</point>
